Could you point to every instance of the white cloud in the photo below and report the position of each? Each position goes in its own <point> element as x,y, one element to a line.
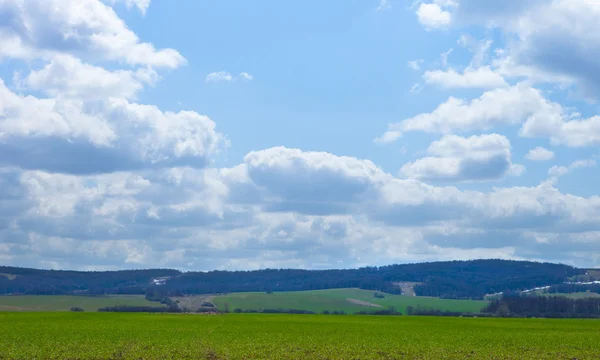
<point>480,52</point>
<point>142,5</point>
<point>416,88</point>
<point>432,16</point>
<point>245,76</point>
<point>515,105</point>
<point>92,179</point>
<point>477,158</point>
<point>84,28</point>
<point>28,116</point>
<point>106,134</point>
<point>558,171</point>
<point>218,76</point>
<point>415,64</point>
<point>482,77</point>
<point>188,218</point>
<point>67,76</point>
<point>543,40</point>
<point>506,106</point>
<point>539,154</point>
<point>475,75</point>
<point>383,5</point>
<point>388,137</point>
<point>444,57</point>
<point>335,182</point>
<point>224,76</point>
<point>562,128</point>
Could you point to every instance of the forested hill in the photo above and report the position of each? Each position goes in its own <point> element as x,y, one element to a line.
<point>454,279</point>
<point>57,282</point>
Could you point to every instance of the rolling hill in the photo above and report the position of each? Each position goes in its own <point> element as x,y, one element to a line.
<point>347,300</point>
<point>451,279</point>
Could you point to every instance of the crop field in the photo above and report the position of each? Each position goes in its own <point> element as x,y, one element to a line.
<point>348,300</point>
<point>64,303</point>
<point>261,336</point>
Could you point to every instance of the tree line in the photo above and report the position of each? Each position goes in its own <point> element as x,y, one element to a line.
<point>573,288</point>
<point>452,279</point>
<point>544,306</point>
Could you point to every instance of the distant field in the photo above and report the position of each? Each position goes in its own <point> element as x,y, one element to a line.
<point>257,336</point>
<point>64,303</point>
<point>591,275</point>
<point>9,276</point>
<point>579,295</point>
<point>348,300</point>
<point>192,303</point>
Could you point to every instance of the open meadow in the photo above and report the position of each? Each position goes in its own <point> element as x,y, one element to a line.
<point>348,300</point>
<point>260,336</point>
<point>64,302</point>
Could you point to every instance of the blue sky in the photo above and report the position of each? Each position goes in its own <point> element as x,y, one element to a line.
<point>239,135</point>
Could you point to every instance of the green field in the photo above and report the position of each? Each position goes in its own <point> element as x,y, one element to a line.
<point>579,295</point>
<point>348,300</point>
<point>64,303</point>
<point>260,336</point>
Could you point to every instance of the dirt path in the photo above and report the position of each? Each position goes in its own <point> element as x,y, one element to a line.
<point>363,303</point>
<point>14,308</point>
<point>408,288</point>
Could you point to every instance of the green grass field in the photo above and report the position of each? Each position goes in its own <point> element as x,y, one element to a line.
<point>579,295</point>
<point>260,336</point>
<point>348,300</point>
<point>64,303</point>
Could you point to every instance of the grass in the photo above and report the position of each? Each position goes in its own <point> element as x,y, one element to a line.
<point>338,299</point>
<point>257,336</point>
<point>579,295</point>
<point>64,303</point>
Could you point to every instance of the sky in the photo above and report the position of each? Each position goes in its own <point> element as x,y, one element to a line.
<point>203,135</point>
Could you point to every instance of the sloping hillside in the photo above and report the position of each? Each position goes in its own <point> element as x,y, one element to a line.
<point>453,279</point>
<point>347,300</point>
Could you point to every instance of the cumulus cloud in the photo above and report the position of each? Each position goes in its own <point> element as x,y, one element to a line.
<point>539,154</point>
<point>482,77</point>
<point>543,40</point>
<point>67,76</point>
<point>510,106</point>
<point>432,16</point>
<point>84,28</point>
<point>558,171</point>
<point>79,136</point>
<point>477,158</point>
<point>92,179</point>
<point>194,218</point>
<point>310,182</point>
<point>506,106</point>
